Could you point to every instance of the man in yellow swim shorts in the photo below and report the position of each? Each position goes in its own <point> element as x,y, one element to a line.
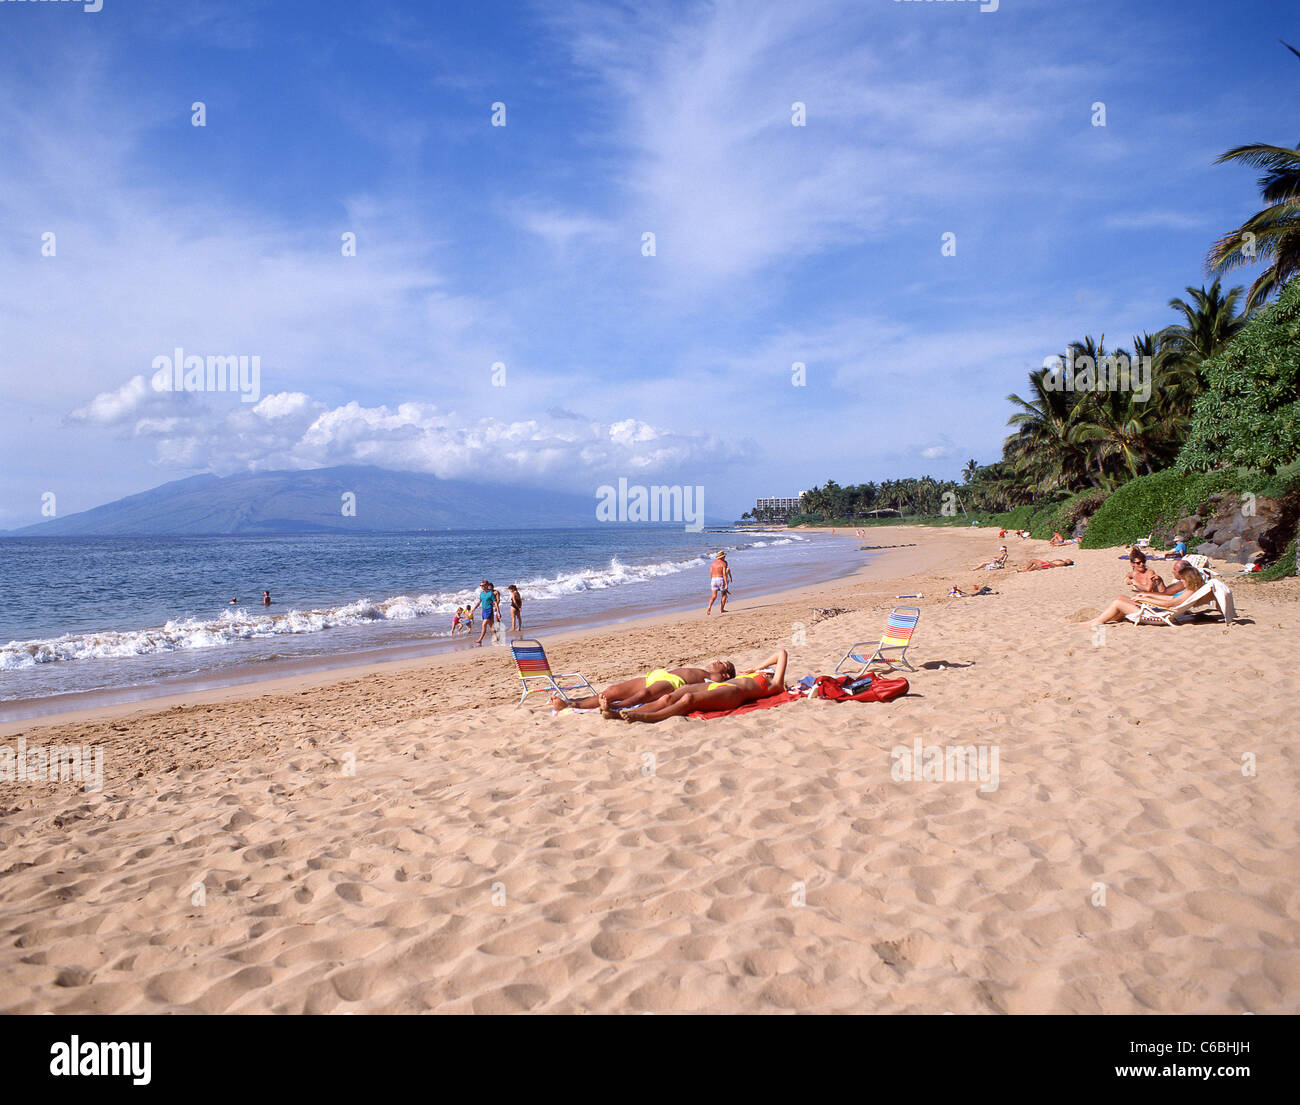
<point>654,684</point>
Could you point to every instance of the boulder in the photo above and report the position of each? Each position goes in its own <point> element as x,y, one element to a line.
<point>1234,528</point>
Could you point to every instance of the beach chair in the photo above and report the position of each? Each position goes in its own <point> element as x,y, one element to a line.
<point>1214,591</point>
<point>531,664</point>
<point>898,635</point>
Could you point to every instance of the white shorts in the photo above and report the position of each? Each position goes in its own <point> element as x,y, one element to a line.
<point>718,583</point>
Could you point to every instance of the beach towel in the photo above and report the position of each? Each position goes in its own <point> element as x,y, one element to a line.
<point>749,707</point>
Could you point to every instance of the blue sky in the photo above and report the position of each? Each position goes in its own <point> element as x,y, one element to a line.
<point>522,244</point>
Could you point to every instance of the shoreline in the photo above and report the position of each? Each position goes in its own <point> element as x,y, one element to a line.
<point>15,714</point>
<point>278,683</point>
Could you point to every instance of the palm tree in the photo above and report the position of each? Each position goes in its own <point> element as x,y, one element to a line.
<point>1119,431</point>
<point>1174,386</point>
<point>968,472</point>
<point>1040,450</point>
<point>1272,234</point>
<point>1210,321</point>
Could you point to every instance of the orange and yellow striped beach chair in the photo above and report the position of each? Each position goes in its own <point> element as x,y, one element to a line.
<point>531,663</point>
<point>898,635</point>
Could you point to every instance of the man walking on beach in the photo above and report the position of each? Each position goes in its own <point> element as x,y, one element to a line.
<point>719,582</point>
<point>489,604</point>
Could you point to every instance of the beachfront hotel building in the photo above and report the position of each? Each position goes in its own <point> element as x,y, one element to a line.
<point>778,506</point>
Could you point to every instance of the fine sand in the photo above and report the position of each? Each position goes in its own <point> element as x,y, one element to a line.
<point>402,839</point>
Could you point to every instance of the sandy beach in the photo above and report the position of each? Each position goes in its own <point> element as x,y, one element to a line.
<point>401,838</point>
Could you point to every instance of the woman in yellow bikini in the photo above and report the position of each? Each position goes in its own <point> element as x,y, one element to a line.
<point>656,684</point>
<point>709,694</point>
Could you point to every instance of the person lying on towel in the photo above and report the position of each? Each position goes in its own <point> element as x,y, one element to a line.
<point>655,684</point>
<point>1043,565</point>
<point>710,695</point>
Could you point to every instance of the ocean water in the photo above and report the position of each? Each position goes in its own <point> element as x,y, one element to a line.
<point>133,616</point>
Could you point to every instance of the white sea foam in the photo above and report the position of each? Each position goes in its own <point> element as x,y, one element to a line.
<point>236,624</point>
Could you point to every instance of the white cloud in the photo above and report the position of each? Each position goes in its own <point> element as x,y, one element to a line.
<point>561,228</point>
<point>1156,220</point>
<point>729,185</point>
<point>292,431</point>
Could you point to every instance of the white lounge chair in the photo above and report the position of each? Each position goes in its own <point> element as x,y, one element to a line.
<point>1214,591</point>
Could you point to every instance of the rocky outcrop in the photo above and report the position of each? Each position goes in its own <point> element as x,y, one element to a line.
<point>1238,528</point>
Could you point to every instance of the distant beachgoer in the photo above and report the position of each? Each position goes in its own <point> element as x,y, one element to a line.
<point>457,619</point>
<point>516,609</point>
<point>654,685</point>
<point>989,565</point>
<point>719,582</point>
<point>233,602</point>
<point>714,695</point>
<point>1057,539</point>
<point>1179,550</point>
<point>1043,565</point>
<point>266,598</point>
<point>489,603</point>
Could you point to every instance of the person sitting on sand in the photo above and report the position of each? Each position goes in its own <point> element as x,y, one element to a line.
<point>737,691</point>
<point>1190,581</point>
<point>1043,565</point>
<point>989,565</point>
<point>1177,552</point>
<point>655,684</point>
<point>1141,577</point>
<point>1057,539</point>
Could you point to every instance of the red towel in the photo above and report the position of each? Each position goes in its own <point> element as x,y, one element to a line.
<point>762,704</point>
<point>881,690</point>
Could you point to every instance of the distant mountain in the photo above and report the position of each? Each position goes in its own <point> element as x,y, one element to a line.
<point>313,502</point>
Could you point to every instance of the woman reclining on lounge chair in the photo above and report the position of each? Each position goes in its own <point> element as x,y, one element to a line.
<point>655,684</point>
<point>1190,579</point>
<point>726,695</point>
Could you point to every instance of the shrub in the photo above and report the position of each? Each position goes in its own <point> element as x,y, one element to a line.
<point>1249,413</point>
<point>1149,504</point>
<point>1154,504</point>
